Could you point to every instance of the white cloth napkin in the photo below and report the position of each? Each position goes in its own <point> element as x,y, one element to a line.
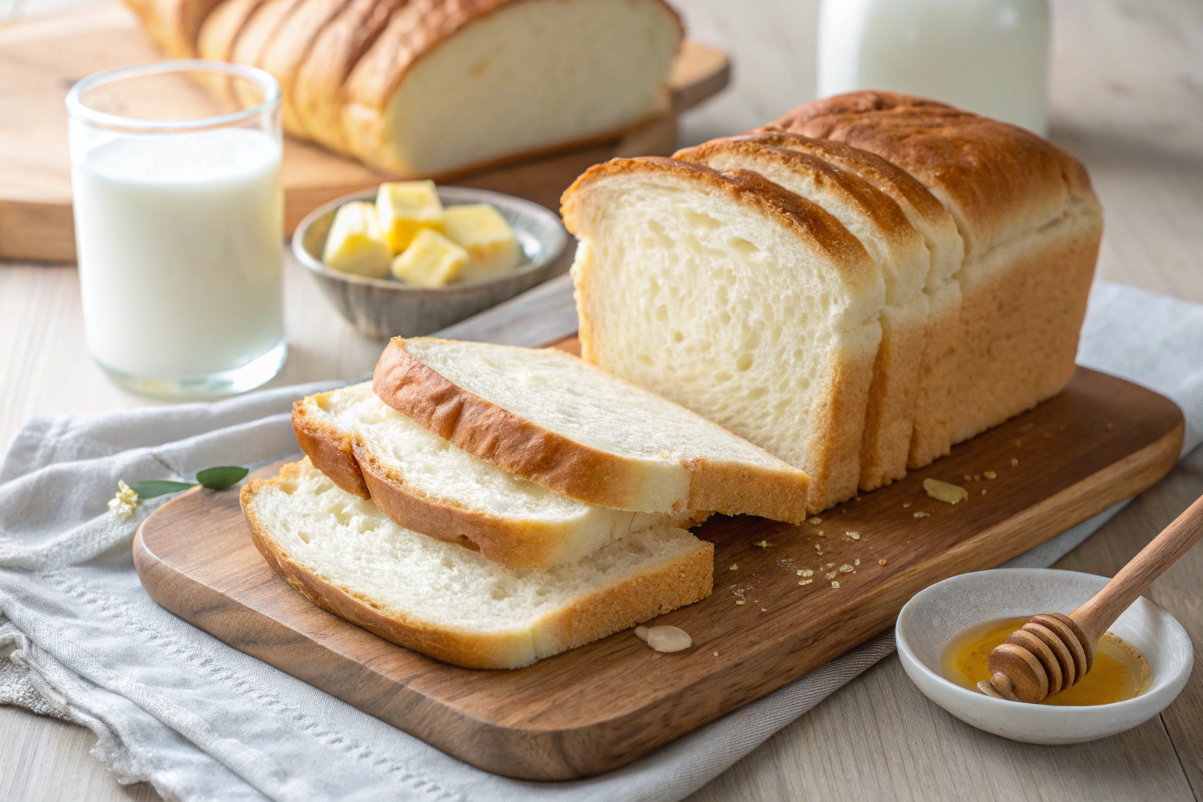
<point>80,640</point>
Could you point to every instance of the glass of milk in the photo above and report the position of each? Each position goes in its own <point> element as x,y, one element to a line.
<point>987,56</point>
<point>175,172</point>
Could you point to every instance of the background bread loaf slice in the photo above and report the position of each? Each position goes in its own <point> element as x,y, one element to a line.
<point>424,483</point>
<point>283,56</point>
<point>449,602</point>
<point>253,40</point>
<point>939,373</point>
<point>1031,226</point>
<point>730,295</point>
<point>453,84</point>
<point>899,252</point>
<point>546,416</point>
<point>219,36</point>
<point>174,24</point>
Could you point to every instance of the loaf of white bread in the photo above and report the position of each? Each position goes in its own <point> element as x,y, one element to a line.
<point>856,287</point>
<point>491,506</point>
<point>435,87</point>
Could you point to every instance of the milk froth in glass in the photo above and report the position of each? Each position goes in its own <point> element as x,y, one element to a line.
<point>179,228</point>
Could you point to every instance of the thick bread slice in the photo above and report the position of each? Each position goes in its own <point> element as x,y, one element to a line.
<point>1031,226</point>
<point>283,56</point>
<point>219,35</point>
<point>173,24</point>
<point>451,603</point>
<point>546,416</point>
<point>318,94</point>
<point>900,253</point>
<point>736,298</point>
<point>452,85</point>
<point>939,372</point>
<point>254,38</point>
<point>426,484</point>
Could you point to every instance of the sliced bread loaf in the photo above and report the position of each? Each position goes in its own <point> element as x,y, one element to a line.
<point>546,416</point>
<point>728,294</point>
<point>426,484</point>
<point>899,252</point>
<point>451,603</point>
<point>1031,225</point>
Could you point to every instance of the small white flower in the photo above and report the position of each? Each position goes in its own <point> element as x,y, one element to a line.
<point>126,500</point>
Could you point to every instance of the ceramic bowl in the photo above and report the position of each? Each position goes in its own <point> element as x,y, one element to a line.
<point>382,308</point>
<point>935,616</point>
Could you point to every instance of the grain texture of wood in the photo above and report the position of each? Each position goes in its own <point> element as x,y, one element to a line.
<point>1124,97</point>
<point>580,713</point>
<point>41,58</point>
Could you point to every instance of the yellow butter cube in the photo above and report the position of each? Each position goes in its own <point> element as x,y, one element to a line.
<point>431,260</point>
<point>405,208</point>
<point>485,234</point>
<point>355,244</point>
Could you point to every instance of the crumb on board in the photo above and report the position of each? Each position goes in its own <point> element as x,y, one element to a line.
<point>805,581</point>
<point>740,601</point>
<point>816,521</point>
<point>835,585</point>
<point>856,561</point>
<point>922,514</point>
<point>943,491</point>
<point>831,574</point>
<point>907,504</point>
<point>853,535</point>
<point>733,566</point>
<point>983,491</point>
<point>1014,462</point>
<point>846,568</point>
<point>990,474</point>
<point>764,544</point>
<point>882,561</point>
<point>805,572</point>
<point>716,654</point>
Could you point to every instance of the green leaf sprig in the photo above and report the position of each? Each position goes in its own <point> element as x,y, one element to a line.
<point>218,478</point>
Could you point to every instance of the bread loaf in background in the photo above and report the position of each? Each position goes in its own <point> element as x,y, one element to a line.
<point>973,243</point>
<point>437,87</point>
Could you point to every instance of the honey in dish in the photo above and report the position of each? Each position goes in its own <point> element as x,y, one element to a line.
<point>1120,672</point>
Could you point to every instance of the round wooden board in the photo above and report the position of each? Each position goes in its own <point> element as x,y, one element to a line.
<point>42,58</point>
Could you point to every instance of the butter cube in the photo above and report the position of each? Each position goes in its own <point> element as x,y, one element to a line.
<point>405,208</point>
<point>483,232</point>
<point>355,244</point>
<point>431,260</point>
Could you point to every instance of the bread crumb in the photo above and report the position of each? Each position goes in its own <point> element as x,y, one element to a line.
<point>831,574</point>
<point>990,475</point>
<point>922,514</point>
<point>853,535</point>
<point>1014,462</point>
<point>820,533</point>
<point>805,581</point>
<point>968,478</point>
<point>943,491</point>
<point>977,477</point>
<point>716,654</point>
<point>818,548</point>
<point>831,565</point>
<point>835,585</point>
<point>668,639</point>
<point>805,572</point>
<point>983,491</point>
<point>882,561</point>
<point>856,561</point>
<point>740,601</point>
<point>641,632</point>
<point>816,521</point>
<point>733,566</point>
<point>907,504</point>
<point>764,544</point>
<point>764,609</point>
<point>845,568</point>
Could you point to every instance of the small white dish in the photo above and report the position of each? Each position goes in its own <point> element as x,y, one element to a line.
<point>936,615</point>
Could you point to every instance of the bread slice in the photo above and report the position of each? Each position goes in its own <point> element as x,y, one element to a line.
<point>426,484</point>
<point>899,252</point>
<point>288,49</point>
<point>254,38</point>
<point>1031,225</point>
<point>219,36</point>
<point>453,85</point>
<point>939,372</point>
<point>449,602</point>
<point>546,416</point>
<point>174,24</point>
<point>736,298</point>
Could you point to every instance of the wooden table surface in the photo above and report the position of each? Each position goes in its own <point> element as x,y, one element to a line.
<point>1127,98</point>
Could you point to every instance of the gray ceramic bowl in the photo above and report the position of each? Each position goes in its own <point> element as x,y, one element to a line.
<point>933,617</point>
<point>382,308</point>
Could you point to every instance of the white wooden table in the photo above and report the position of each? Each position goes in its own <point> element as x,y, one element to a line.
<point>1127,98</point>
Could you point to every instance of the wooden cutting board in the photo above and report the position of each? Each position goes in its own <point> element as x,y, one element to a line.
<point>603,705</point>
<point>40,59</point>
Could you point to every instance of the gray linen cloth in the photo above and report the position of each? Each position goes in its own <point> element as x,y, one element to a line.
<point>80,640</point>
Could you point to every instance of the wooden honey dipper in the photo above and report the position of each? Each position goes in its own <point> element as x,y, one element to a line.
<point>1052,651</point>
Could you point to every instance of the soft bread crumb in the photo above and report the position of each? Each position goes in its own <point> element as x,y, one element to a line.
<point>882,561</point>
<point>641,632</point>
<point>922,514</point>
<point>835,585</point>
<point>1014,462</point>
<point>989,474</point>
<point>943,491</point>
<point>668,639</point>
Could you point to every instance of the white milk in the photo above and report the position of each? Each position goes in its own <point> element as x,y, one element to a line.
<point>180,241</point>
<point>987,56</point>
